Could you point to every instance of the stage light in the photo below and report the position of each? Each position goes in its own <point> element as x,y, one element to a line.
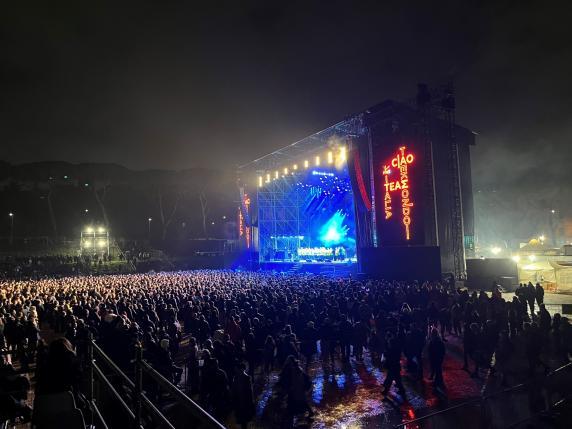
<point>516,258</point>
<point>276,174</point>
<point>334,231</point>
<point>532,258</point>
<point>306,164</point>
<point>285,170</point>
<point>260,181</point>
<point>101,243</point>
<point>541,238</point>
<point>267,177</point>
<point>342,153</point>
<point>89,230</point>
<point>317,160</point>
<point>87,244</point>
<point>101,230</point>
<point>330,157</point>
<point>495,250</point>
<point>295,167</point>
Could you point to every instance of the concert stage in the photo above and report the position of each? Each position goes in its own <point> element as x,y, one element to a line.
<point>388,187</point>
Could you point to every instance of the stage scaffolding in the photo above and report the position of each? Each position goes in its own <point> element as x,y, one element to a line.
<point>279,205</point>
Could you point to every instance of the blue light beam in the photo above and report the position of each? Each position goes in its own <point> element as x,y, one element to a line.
<point>334,231</point>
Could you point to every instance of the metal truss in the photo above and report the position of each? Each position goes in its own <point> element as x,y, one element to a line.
<point>280,221</point>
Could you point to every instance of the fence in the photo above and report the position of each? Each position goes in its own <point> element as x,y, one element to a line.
<point>112,395</point>
<point>508,408</point>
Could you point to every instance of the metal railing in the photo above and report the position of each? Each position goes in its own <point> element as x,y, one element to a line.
<point>509,407</point>
<point>138,410</point>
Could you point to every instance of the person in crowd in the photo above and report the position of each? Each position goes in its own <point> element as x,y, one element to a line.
<point>296,384</point>
<point>243,396</point>
<point>436,352</point>
<point>393,364</point>
<point>539,294</point>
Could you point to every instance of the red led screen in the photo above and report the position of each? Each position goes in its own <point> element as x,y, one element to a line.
<point>399,187</point>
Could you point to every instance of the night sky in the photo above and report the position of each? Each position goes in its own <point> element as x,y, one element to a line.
<point>177,85</point>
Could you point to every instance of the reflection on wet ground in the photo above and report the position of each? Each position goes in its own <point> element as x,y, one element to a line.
<point>349,394</point>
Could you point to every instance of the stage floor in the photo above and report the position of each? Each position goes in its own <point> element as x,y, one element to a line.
<point>335,268</point>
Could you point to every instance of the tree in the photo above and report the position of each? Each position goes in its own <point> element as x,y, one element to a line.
<point>167,218</point>
<point>51,209</point>
<point>204,209</point>
<point>100,190</point>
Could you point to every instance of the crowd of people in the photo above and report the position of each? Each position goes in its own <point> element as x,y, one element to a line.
<point>228,327</point>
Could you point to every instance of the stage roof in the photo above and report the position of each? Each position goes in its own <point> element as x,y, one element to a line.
<point>354,125</point>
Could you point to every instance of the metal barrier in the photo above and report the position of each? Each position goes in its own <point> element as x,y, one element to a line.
<point>509,407</point>
<point>134,403</point>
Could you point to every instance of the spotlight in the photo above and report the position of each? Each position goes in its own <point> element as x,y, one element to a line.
<point>542,238</point>
<point>87,244</point>
<point>495,250</point>
<point>306,164</point>
<point>317,160</point>
<point>267,177</point>
<point>516,258</point>
<point>343,153</point>
<point>532,258</point>
<point>330,157</point>
<point>286,170</point>
<point>101,230</point>
<point>260,181</point>
<point>101,243</point>
<point>89,230</point>
<point>295,167</point>
<point>276,174</point>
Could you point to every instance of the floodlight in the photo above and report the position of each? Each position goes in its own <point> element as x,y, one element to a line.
<point>89,230</point>
<point>101,230</point>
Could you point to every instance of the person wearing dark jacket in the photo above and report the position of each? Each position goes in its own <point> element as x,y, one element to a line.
<point>243,397</point>
<point>393,364</point>
<point>61,371</point>
<point>436,351</point>
<point>539,294</point>
<point>530,297</point>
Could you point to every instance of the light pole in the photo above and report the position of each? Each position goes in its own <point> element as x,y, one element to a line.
<point>11,228</point>
<point>149,227</point>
